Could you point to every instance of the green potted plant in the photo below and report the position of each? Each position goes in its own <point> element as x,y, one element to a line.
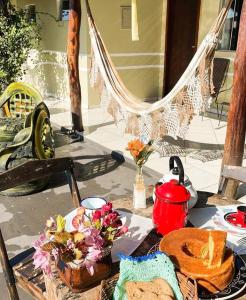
<point>18,36</point>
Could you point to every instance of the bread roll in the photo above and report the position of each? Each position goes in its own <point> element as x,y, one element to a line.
<point>157,289</point>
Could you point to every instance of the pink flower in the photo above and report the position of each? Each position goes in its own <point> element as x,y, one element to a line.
<point>41,259</point>
<point>116,224</point>
<point>89,266</point>
<point>70,245</point>
<point>39,243</point>
<point>106,208</point>
<point>92,256</point>
<point>110,218</point>
<point>93,238</point>
<point>96,215</point>
<point>123,230</point>
<point>55,253</point>
<point>81,227</point>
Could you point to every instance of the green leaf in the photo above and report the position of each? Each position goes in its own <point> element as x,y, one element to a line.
<point>60,223</point>
<point>111,237</point>
<point>110,229</point>
<point>97,224</point>
<point>17,37</point>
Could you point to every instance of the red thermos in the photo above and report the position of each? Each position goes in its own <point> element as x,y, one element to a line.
<point>171,204</point>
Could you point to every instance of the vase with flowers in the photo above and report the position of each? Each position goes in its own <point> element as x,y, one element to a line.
<point>83,256</point>
<point>140,153</point>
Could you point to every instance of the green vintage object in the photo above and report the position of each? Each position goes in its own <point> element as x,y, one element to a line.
<point>25,133</point>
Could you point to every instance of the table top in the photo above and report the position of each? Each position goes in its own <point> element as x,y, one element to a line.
<point>61,291</point>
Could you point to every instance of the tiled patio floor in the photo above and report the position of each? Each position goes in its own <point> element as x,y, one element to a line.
<point>205,138</point>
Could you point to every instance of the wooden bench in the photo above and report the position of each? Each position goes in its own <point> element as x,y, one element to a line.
<point>20,269</point>
<point>229,175</point>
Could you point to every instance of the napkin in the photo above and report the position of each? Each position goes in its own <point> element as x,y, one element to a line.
<point>213,218</point>
<point>138,229</point>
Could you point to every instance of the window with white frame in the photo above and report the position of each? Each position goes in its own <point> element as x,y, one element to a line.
<point>229,33</point>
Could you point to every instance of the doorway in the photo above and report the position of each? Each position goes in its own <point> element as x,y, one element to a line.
<point>181,39</point>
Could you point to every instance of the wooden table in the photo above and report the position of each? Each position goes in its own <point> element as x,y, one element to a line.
<point>56,290</point>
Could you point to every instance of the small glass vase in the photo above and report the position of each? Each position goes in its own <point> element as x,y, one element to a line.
<point>139,192</point>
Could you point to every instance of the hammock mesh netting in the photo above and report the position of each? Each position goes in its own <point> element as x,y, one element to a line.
<point>169,116</point>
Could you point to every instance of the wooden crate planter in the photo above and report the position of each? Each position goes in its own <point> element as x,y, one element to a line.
<point>79,280</point>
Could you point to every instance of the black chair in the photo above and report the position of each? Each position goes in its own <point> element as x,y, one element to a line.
<point>20,270</point>
<point>221,66</point>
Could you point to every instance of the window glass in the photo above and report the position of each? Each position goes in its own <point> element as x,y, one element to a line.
<point>126,15</point>
<point>230,30</point>
<point>65,10</point>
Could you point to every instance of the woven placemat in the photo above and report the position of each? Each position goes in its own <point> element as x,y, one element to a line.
<point>188,286</point>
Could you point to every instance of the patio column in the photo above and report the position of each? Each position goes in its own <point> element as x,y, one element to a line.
<point>235,134</point>
<point>73,63</point>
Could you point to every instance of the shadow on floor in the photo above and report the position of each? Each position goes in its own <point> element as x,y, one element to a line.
<point>191,144</point>
<point>194,145</point>
<point>62,139</point>
<point>83,172</point>
<point>203,198</point>
<point>186,148</point>
<point>96,168</point>
<point>92,128</point>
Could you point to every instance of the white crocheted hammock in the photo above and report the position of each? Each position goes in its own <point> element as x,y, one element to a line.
<point>170,115</point>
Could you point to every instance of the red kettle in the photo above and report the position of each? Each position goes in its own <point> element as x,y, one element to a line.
<point>171,205</point>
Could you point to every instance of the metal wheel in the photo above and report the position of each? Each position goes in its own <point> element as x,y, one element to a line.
<point>43,137</point>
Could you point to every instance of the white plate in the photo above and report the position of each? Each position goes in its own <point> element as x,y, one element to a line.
<point>69,217</point>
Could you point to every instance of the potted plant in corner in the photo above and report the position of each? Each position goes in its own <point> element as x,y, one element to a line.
<point>83,256</point>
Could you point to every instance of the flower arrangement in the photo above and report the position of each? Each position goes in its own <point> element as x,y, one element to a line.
<point>82,247</point>
<point>140,151</point>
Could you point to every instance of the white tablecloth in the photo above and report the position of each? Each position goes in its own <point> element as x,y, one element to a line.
<point>213,218</point>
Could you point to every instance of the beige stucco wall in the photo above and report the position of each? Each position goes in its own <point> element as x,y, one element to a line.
<point>140,64</point>
<point>208,12</point>
<point>142,71</point>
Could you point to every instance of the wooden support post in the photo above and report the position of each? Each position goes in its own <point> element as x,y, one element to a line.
<point>235,134</point>
<point>74,190</point>
<point>73,63</point>
<point>7,270</point>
